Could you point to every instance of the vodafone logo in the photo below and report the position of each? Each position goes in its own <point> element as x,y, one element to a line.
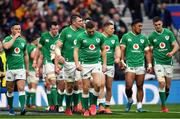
<point>107,47</point>
<point>16,50</point>
<point>136,46</point>
<point>92,47</point>
<point>162,45</point>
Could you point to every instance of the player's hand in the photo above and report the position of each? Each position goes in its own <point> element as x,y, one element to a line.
<point>37,72</point>
<point>170,54</point>
<point>104,68</point>
<point>149,68</point>
<point>61,59</point>
<point>17,35</point>
<point>116,60</point>
<point>79,67</point>
<point>27,73</point>
<point>122,64</point>
<point>34,65</point>
<point>57,69</point>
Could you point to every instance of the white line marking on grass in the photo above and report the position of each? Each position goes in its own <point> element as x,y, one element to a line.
<point>123,111</point>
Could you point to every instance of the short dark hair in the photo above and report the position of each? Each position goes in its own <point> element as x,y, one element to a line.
<point>134,22</point>
<point>15,23</point>
<point>108,23</point>
<point>89,24</point>
<point>74,17</point>
<point>156,18</point>
<point>53,23</point>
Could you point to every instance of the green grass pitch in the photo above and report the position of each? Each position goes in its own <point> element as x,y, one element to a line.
<point>153,111</point>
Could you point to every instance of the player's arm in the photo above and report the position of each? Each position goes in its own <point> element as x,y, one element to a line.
<point>148,55</point>
<point>26,59</point>
<point>104,58</point>
<point>7,45</point>
<point>122,63</point>
<point>117,55</point>
<point>76,59</point>
<point>58,55</point>
<point>174,50</point>
<point>36,55</point>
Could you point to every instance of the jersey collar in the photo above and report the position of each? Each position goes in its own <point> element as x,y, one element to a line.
<point>161,31</point>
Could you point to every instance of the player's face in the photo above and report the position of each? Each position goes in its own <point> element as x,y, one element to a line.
<point>54,30</point>
<point>78,22</point>
<point>158,26</point>
<point>109,29</point>
<point>16,29</point>
<point>137,28</point>
<point>90,31</point>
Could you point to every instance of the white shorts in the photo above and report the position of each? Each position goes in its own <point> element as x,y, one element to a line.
<point>136,70</point>
<point>70,72</point>
<point>88,69</point>
<point>32,77</point>
<point>163,71</point>
<point>12,75</point>
<point>48,68</point>
<point>110,71</point>
<point>60,76</point>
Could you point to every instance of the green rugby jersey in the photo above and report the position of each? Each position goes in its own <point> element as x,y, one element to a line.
<point>15,55</point>
<point>135,48</point>
<point>162,44</point>
<point>48,46</point>
<point>68,37</point>
<point>90,47</point>
<point>111,42</point>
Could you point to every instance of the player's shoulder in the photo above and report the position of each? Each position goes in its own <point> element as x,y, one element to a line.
<point>126,35</point>
<point>65,29</point>
<point>44,34</point>
<point>166,30</point>
<point>115,36</point>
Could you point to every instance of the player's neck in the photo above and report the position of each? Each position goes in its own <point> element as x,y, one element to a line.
<point>105,34</point>
<point>73,27</point>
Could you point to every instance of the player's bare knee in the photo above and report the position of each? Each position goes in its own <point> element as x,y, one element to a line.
<point>52,77</point>
<point>161,85</point>
<point>10,89</point>
<point>21,88</point>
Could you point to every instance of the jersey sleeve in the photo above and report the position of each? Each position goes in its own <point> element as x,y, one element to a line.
<point>62,36</point>
<point>78,42</point>
<point>123,41</point>
<point>150,40</point>
<point>172,37</point>
<point>41,41</point>
<point>116,41</point>
<point>146,43</point>
<point>7,39</point>
<point>102,39</point>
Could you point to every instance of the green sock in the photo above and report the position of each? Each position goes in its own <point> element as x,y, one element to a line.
<point>91,98</point>
<point>28,98</point>
<point>85,103</point>
<point>60,98</point>
<point>68,100</point>
<point>76,98</point>
<point>33,95</point>
<point>49,98</point>
<point>10,101</point>
<point>54,95</point>
<point>80,96</point>
<point>95,100</point>
<point>162,97</point>
<point>22,101</point>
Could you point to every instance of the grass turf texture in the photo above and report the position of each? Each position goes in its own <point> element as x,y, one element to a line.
<point>153,111</point>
